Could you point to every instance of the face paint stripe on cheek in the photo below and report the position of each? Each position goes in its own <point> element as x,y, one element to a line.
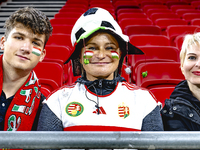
<point>36,51</point>
<point>115,54</point>
<point>88,54</point>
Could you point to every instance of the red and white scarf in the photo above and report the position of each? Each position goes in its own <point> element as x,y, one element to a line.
<point>21,112</point>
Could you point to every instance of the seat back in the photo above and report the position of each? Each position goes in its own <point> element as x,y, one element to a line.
<point>136,21</point>
<point>157,10</point>
<point>180,12</point>
<point>131,15</point>
<point>147,7</point>
<point>179,41</point>
<point>63,21</point>
<point>155,16</point>
<point>175,7</point>
<point>128,10</point>
<point>174,30</point>
<point>189,16</point>
<point>158,74</point>
<point>153,54</point>
<point>67,15</point>
<point>195,21</point>
<point>142,29</point>
<point>60,40</point>
<point>162,93</point>
<point>147,40</point>
<point>50,73</point>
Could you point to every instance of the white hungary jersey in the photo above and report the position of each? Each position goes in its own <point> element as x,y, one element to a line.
<point>122,110</point>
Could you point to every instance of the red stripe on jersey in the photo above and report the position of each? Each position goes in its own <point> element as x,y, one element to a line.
<point>132,86</point>
<point>98,128</point>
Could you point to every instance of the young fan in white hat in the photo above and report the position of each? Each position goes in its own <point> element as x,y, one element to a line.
<point>101,100</point>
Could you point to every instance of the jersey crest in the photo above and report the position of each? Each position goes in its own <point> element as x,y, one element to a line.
<point>123,111</point>
<point>74,109</point>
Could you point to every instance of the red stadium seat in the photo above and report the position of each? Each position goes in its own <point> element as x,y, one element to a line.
<point>100,2</point>
<point>85,2</point>
<point>189,16</point>
<point>127,3</point>
<point>81,10</point>
<point>179,41</point>
<point>44,72</point>
<point>196,4</point>
<point>75,6</point>
<point>142,29</point>
<point>195,22</point>
<point>172,3</point>
<point>170,15</point>
<point>60,39</point>
<point>67,15</point>
<point>158,74</point>
<point>147,40</point>
<point>180,12</point>
<point>63,21</point>
<point>136,21</point>
<point>45,91</point>
<point>147,7</point>
<point>64,29</point>
<point>108,7</point>
<point>48,85</point>
<point>162,93</point>
<point>176,7</point>
<point>102,5</point>
<point>128,10</point>
<point>165,22</point>
<point>157,10</point>
<point>57,52</point>
<point>144,3</point>
<point>131,15</point>
<point>153,54</point>
<point>174,30</point>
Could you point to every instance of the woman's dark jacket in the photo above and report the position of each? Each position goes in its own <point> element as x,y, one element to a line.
<point>182,111</point>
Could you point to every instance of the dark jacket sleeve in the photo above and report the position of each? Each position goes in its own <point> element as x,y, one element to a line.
<point>48,121</point>
<point>34,127</point>
<point>153,121</point>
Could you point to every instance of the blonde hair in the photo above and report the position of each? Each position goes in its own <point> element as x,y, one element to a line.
<point>189,40</point>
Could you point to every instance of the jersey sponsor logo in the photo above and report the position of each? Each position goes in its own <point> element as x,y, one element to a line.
<point>100,111</point>
<point>74,109</point>
<point>123,111</point>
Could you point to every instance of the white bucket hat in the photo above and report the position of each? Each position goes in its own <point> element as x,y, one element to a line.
<point>91,21</point>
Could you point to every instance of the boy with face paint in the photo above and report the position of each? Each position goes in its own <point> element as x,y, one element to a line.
<point>27,31</point>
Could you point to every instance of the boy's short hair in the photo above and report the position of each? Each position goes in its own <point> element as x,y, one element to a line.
<point>31,18</point>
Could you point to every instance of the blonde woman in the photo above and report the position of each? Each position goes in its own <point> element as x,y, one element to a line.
<point>182,111</point>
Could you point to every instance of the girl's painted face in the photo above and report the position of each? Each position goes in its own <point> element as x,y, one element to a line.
<point>191,65</point>
<point>100,56</point>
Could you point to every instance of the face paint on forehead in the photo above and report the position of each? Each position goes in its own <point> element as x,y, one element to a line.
<point>36,51</point>
<point>115,54</point>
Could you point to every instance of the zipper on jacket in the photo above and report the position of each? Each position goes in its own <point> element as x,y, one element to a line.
<point>100,85</point>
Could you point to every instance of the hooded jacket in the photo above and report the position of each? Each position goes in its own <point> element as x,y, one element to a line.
<point>182,111</point>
